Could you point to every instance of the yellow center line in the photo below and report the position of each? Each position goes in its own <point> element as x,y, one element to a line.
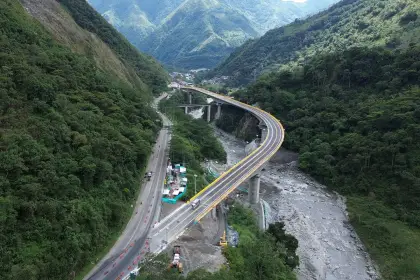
<point>258,165</point>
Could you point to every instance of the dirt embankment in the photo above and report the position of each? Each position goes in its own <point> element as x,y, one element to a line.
<point>65,30</point>
<point>199,247</point>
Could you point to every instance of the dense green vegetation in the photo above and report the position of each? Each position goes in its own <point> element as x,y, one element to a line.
<point>146,67</point>
<point>354,118</point>
<point>192,142</point>
<point>350,23</point>
<point>73,144</point>
<point>262,256</point>
<point>200,33</point>
<point>392,243</point>
<point>281,247</point>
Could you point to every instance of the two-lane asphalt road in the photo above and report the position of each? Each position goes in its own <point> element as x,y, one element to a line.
<point>172,226</point>
<point>118,266</point>
<point>131,245</point>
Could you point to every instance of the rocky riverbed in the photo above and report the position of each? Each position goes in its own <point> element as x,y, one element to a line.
<point>329,248</point>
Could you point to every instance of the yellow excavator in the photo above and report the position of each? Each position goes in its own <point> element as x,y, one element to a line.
<point>176,259</point>
<point>223,241</point>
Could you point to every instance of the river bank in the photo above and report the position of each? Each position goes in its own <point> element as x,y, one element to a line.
<point>329,248</point>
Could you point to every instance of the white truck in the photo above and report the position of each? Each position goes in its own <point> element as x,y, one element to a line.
<point>195,203</point>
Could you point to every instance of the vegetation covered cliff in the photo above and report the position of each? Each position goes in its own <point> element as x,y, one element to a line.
<point>349,23</point>
<point>76,132</point>
<point>354,118</point>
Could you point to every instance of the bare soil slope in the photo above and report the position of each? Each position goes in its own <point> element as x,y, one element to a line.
<point>56,19</point>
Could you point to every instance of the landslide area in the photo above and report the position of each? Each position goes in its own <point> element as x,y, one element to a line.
<point>66,31</point>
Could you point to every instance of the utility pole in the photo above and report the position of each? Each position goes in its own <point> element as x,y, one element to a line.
<point>195,184</point>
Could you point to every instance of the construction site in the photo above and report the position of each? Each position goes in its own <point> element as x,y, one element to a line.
<point>200,245</point>
<point>175,183</point>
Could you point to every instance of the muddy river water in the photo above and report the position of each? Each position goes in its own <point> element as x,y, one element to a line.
<point>329,248</point>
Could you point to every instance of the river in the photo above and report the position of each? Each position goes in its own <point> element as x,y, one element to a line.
<point>329,248</point>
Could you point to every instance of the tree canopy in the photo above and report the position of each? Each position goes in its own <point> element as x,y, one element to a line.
<point>146,67</point>
<point>192,142</point>
<point>74,142</point>
<point>259,256</point>
<point>354,118</point>
<point>349,23</point>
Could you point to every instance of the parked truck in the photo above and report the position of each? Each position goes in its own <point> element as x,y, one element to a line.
<point>176,259</point>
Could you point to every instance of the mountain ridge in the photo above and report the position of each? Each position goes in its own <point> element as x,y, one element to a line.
<point>376,23</point>
<point>176,26</point>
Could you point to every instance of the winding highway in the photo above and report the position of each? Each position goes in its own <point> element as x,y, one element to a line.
<point>172,226</point>
<point>148,239</point>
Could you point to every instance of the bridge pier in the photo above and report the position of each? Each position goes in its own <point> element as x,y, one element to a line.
<point>214,213</point>
<point>209,113</point>
<point>219,111</point>
<point>254,189</point>
<point>263,128</point>
<point>190,97</point>
<point>186,110</point>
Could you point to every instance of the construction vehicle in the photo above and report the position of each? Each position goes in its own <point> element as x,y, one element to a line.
<point>176,261</point>
<point>223,241</point>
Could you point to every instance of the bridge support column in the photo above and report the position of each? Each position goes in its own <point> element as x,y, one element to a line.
<point>186,110</point>
<point>254,189</point>
<point>190,98</point>
<point>213,213</point>
<point>209,113</point>
<point>263,134</point>
<point>219,111</point>
<point>263,128</point>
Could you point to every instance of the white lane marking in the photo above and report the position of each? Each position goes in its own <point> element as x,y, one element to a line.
<point>243,172</point>
<point>218,189</point>
<point>121,243</point>
<point>160,158</point>
<point>262,154</point>
<point>182,225</point>
<point>272,142</point>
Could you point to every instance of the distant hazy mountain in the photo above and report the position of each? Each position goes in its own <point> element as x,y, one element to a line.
<point>199,33</point>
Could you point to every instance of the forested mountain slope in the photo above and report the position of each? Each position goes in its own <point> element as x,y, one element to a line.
<point>354,118</point>
<point>350,23</point>
<point>76,130</point>
<point>145,66</point>
<point>199,33</point>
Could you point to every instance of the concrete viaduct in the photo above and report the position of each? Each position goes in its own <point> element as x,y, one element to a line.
<point>254,181</point>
